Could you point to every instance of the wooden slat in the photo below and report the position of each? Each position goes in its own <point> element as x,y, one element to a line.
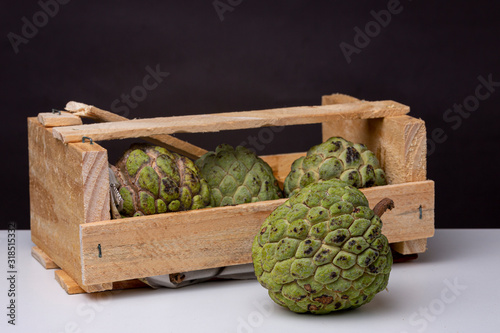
<point>230,121</point>
<point>67,283</point>
<point>49,119</point>
<point>72,288</point>
<point>184,241</point>
<point>411,246</point>
<point>43,258</point>
<point>281,164</point>
<point>69,186</point>
<point>337,99</point>
<point>167,141</point>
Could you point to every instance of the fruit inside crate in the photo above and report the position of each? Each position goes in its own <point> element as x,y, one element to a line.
<point>70,199</point>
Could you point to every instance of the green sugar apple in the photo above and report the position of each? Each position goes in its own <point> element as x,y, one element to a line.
<point>322,250</point>
<point>237,176</point>
<point>335,158</point>
<point>154,180</point>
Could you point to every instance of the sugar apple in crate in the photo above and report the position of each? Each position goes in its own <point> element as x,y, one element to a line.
<point>237,176</point>
<point>322,250</point>
<point>155,180</point>
<point>335,159</point>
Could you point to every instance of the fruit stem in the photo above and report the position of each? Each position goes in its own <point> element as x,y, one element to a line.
<point>382,206</point>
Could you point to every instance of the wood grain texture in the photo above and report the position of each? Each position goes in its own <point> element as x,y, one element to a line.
<point>337,99</point>
<point>68,186</point>
<point>49,119</point>
<point>67,283</point>
<point>281,164</point>
<point>43,258</point>
<point>230,121</point>
<point>411,246</point>
<point>167,141</point>
<point>72,288</point>
<point>214,237</point>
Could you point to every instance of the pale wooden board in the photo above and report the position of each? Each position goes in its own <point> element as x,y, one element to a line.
<point>281,164</point>
<point>230,121</point>
<point>68,186</point>
<point>411,246</point>
<point>167,141</point>
<point>67,283</point>
<point>337,99</point>
<point>43,258</point>
<point>214,237</point>
<point>72,288</point>
<point>49,119</point>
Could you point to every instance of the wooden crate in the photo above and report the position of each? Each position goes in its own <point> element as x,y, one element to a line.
<point>69,198</point>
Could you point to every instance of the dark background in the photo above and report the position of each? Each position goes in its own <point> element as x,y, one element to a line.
<point>263,54</point>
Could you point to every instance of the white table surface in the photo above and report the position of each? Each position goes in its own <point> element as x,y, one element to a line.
<point>453,287</point>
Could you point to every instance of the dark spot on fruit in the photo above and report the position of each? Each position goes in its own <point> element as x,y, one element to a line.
<point>312,307</point>
<point>308,287</point>
<point>356,210</point>
<point>345,297</point>
<point>342,258</point>
<point>352,155</point>
<point>339,239</point>
<point>359,247</point>
<point>370,183</point>
<point>338,305</point>
<point>263,230</point>
<point>325,251</point>
<point>351,243</point>
<point>309,250</point>
<point>373,269</point>
<point>324,299</point>
<point>365,297</point>
<point>295,229</point>
<point>321,212</point>
<point>367,261</point>
<point>308,241</point>
<point>333,275</point>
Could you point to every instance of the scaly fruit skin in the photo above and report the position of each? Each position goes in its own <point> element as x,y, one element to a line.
<point>322,250</point>
<point>335,158</point>
<point>237,176</point>
<point>154,180</point>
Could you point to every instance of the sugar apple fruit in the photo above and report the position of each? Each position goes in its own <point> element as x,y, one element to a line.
<point>322,250</point>
<point>155,180</point>
<point>335,158</point>
<point>237,176</point>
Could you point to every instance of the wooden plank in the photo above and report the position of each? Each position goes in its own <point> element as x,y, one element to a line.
<point>411,246</point>
<point>67,283</point>
<point>214,237</point>
<point>167,141</point>
<point>69,185</point>
<point>337,99</point>
<point>49,119</point>
<point>281,164</point>
<point>43,258</point>
<point>72,288</point>
<point>230,121</point>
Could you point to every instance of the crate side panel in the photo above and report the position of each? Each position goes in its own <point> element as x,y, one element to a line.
<point>59,176</point>
<point>214,237</point>
<point>171,243</point>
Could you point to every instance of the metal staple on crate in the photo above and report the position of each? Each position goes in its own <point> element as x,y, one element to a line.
<point>88,138</point>
<point>56,111</point>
